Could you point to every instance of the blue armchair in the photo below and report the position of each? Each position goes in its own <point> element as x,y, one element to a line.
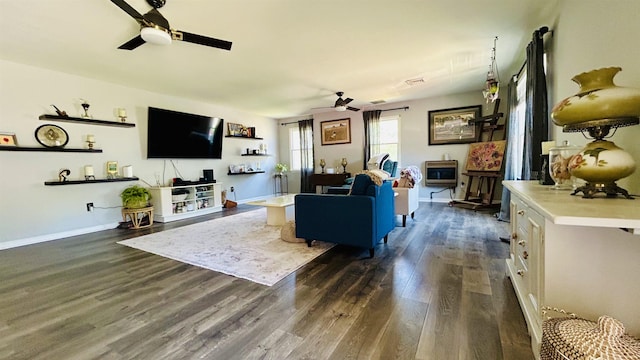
<point>360,219</point>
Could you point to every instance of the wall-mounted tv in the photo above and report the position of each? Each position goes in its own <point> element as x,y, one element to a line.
<point>178,135</point>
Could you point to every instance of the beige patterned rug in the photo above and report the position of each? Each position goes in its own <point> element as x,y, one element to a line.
<point>241,245</point>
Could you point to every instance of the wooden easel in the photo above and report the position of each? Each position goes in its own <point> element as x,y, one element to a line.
<point>479,200</point>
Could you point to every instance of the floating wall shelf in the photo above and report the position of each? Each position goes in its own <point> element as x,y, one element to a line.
<point>254,155</point>
<point>243,137</point>
<point>86,121</point>
<point>46,149</point>
<point>246,173</point>
<point>75,182</point>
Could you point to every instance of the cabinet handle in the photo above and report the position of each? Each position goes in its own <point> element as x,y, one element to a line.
<point>521,242</point>
<point>514,236</point>
<point>520,212</point>
<point>525,255</point>
<point>520,272</point>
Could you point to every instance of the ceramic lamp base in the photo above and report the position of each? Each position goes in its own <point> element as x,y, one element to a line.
<point>610,189</point>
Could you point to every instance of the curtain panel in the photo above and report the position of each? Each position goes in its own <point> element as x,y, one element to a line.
<point>371,134</point>
<point>306,155</point>
<point>512,132</point>
<point>536,114</point>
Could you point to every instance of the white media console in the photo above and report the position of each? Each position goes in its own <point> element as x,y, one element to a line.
<point>172,203</point>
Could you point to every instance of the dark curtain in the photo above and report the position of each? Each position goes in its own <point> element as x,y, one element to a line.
<point>536,113</point>
<point>512,132</point>
<point>306,155</point>
<point>371,134</point>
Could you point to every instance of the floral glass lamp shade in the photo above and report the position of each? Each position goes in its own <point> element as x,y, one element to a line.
<point>492,84</point>
<point>598,108</point>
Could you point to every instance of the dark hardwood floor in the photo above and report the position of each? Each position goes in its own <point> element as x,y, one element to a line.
<point>437,290</point>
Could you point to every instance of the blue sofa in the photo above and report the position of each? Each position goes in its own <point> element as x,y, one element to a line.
<point>360,219</point>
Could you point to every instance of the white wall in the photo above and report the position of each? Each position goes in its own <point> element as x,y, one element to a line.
<point>414,139</point>
<point>592,34</point>
<point>30,211</point>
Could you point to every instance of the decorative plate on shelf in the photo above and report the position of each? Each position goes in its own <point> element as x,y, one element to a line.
<point>52,136</point>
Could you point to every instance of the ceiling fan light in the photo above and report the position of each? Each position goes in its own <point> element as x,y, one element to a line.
<point>341,108</point>
<point>155,36</point>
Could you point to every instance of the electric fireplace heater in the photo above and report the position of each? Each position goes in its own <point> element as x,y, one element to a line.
<point>442,173</point>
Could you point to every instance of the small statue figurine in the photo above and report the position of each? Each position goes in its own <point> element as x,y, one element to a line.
<point>59,112</point>
<point>62,175</point>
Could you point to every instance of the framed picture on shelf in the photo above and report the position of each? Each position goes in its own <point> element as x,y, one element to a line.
<point>336,131</point>
<point>8,139</point>
<point>112,169</point>
<point>235,129</point>
<point>453,126</point>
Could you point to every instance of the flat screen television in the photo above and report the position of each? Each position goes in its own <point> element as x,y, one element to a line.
<point>178,135</point>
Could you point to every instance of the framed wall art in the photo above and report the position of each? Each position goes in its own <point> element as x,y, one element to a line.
<point>452,126</point>
<point>336,131</point>
<point>8,139</point>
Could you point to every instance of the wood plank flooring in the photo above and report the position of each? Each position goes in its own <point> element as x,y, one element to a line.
<point>437,290</point>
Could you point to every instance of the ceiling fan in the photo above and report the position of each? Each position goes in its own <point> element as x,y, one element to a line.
<point>154,28</point>
<point>341,104</point>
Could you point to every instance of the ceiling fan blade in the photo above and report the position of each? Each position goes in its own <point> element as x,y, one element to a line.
<point>201,40</point>
<point>132,44</point>
<point>155,18</point>
<point>347,100</point>
<point>129,10</point>
<point>352,108</point>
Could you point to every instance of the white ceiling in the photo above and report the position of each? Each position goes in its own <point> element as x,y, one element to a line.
<point>288,56</point>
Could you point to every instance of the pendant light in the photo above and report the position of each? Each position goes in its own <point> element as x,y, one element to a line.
<point>492,84</point>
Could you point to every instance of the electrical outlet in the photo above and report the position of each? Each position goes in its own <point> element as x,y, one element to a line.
<point>90,207</point>
<point>232,189</point>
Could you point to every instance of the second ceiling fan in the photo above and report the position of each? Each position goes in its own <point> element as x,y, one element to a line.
<point>341,104</point>
<point>154,28</point>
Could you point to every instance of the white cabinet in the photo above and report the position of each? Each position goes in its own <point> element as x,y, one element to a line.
<point>572,253</point>
<point>525,266</point>
<point>172,203</point>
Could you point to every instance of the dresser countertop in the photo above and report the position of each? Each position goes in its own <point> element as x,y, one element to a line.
<point>562,208</point>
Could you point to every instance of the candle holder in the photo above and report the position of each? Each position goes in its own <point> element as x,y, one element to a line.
<point>344,165</point>
<point>322,164</point>
<point>122,114</point>
<point>85,106</point>
<point>90,141</point>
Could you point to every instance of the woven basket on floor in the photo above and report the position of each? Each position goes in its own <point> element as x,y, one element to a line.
<point>580,339</point>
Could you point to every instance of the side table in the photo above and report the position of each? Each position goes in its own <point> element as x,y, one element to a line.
<point>281,184</point>
<point>136,216</point>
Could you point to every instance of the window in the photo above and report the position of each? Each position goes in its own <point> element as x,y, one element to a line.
<point>296,149</point>
<point>389,136</point>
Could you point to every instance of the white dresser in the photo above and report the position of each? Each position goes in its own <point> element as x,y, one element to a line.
<point>581,255</point>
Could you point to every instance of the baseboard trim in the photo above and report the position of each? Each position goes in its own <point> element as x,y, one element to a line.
<point>56,236</point>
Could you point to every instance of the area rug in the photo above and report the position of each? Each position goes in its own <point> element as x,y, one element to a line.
<point>241,245</point>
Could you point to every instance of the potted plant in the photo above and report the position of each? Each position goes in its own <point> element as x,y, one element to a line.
<point>135,197</point>
<point>281,168</point>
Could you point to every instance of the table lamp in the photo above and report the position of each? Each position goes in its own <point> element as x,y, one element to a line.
<point>598,108</point>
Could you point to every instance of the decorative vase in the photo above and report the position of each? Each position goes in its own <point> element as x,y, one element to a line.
<point>602,162</point>
<point>598,98</point>
<point>559,159</point>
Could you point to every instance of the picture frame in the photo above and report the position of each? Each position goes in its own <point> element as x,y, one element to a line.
<point>235,129</point>
<point>453,126</point>
<point>486,156</point>
<point>336,132</point>
<point>112,169</point>
<point>8,139</point>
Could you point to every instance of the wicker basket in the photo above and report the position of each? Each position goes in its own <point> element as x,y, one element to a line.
<point>580,339</point>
